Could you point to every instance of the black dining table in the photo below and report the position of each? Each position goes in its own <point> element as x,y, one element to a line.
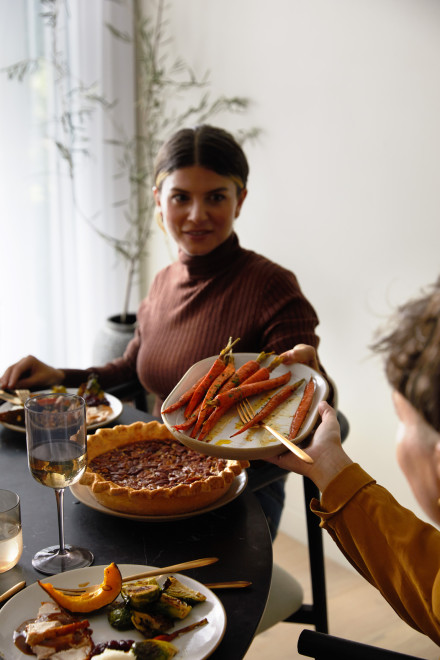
<point>237,533</point>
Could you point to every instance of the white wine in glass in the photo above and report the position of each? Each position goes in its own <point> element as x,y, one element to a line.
<point>56,445</point>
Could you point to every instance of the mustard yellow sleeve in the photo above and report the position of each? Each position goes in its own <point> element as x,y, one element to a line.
<point>387,544</point>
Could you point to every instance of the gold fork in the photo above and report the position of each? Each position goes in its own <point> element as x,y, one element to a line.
<point>11,398</point>
<point>246,413</point>
<point>195,563</point>
<point>17,398</point>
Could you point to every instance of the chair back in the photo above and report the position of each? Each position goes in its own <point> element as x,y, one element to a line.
<point>327,647</point>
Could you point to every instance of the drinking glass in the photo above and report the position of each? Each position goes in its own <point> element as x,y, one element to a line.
<point>11,538</point>
<point>56,445</point>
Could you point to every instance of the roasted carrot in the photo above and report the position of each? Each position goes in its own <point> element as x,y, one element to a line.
<point>274,401</point>
<point>183,399</point>
<point>303,409</point>
<point>244,390</point>
<point>190,421</point>
<point>181,631</point>
<point>216,368</point>
<point>240,376</point>
<point>221,379</point>
<point>213,418</point>
<point>263,373</point>
<point>225,400</point>
<point>245,371</point>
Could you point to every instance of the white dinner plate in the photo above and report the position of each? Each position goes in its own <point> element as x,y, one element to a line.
<point>83,494</point>
<point>195,645</point>
<point>256,443</point>
<point>114,402</point>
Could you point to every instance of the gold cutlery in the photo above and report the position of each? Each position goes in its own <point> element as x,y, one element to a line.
<point>234,584</point>
<point>246,413</point>
<point>17,398</point>
<point>10,398</point>
<point>13,590</point>
<point>175,568</point>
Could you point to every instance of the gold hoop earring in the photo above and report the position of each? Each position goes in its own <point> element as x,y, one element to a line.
<point>159,219</point>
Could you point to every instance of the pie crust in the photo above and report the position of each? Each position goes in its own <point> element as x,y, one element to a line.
<point>142,469</point>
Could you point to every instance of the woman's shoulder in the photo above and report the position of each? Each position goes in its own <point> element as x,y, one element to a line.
<point>265,266</point>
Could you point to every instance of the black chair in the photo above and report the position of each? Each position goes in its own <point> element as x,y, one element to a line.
<point>316,613</point>
<point>327,647</point>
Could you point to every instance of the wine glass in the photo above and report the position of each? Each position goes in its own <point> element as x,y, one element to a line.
<point>56,445</point>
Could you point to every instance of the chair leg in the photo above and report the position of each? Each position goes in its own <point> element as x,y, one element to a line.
<point>316,556</point>
<point>315,614</point>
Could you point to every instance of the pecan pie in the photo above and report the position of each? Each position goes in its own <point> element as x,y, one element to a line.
<point>142,469</point>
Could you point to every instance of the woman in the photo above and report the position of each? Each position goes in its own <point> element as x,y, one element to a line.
<point>215,290</point>
<point>394,550</point>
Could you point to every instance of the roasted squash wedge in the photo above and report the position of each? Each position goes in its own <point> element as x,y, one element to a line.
<point>104,594</point>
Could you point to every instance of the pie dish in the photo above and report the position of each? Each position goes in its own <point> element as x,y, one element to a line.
<point>84,495</point>
<point>142,469</point>
<point>256,443</point>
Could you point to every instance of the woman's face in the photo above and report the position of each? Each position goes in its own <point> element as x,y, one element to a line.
<point>418,455</point>
<point>198,208</point>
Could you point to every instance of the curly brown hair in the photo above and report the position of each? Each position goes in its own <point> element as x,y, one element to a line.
<point>412,353</point>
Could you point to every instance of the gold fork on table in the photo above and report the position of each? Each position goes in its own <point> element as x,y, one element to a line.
<point>174,568</point>
<point>246,413</point>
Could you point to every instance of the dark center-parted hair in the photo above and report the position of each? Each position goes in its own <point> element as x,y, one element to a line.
<point>204,146</point>
<point>412,354</point>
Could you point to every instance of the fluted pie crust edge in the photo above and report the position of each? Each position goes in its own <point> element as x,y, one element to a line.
<point>163,500</point>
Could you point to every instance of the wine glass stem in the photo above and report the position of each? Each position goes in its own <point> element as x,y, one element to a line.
<point>59,494</point>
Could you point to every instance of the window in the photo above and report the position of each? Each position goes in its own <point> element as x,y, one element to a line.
<point>60,280</point>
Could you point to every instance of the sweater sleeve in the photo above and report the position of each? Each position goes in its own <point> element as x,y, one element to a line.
<point>387,544</point>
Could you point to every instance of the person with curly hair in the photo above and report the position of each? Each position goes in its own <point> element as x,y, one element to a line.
<point>389,545</point>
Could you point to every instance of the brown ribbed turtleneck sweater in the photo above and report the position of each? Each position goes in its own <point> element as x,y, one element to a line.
<point>197,303</point>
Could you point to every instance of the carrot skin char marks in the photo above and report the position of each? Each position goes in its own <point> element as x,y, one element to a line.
<point>240,375</point>
<point>183,399</point>
<point>212,420</point>
<point>245,371</point>
<point>216,369</point>
<point>190,421</point>
<point>250,389</point>
<point>200,391</point>
<point>263,373</point>
<point>302,410</point>
<point>225,400</point>
<point>274,401</point>
<point>221,379</point>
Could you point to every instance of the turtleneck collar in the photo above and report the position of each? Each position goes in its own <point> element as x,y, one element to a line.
<point>214,262</point>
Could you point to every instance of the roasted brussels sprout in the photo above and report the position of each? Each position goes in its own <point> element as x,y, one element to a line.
<point>172,607</point>
<point>153,649</point>
<point>119,616</point>
<point>150,624</point>
<point>141,594</point>
<point>173,587</point>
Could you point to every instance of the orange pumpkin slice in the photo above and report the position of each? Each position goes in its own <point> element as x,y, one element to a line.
<point>89,601</point>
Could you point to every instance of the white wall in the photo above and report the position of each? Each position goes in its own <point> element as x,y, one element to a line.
<point>345,181</point>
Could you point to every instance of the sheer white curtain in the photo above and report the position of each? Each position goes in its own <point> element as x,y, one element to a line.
<point>60,280</point>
